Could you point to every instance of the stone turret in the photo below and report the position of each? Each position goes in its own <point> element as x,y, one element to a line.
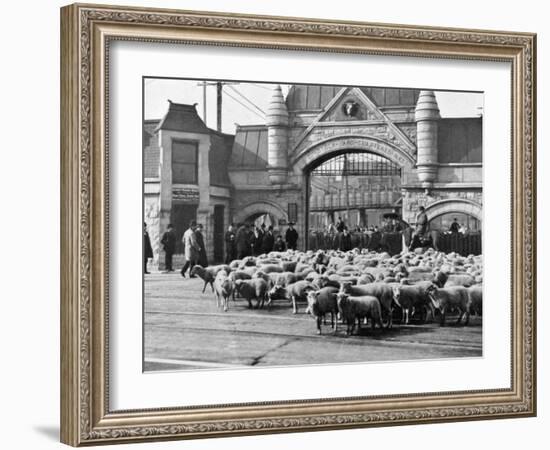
<point>426,117</point>
<point>277,137</point>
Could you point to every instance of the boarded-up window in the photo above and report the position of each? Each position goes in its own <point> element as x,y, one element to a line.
<point>184,162</point>
<point>292,212</point>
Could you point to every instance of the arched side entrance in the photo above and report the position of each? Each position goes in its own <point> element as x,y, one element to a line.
<point>455,205</point>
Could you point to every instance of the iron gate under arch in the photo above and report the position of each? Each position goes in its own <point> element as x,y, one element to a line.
<point>358,186</point>
<point>357,164</point>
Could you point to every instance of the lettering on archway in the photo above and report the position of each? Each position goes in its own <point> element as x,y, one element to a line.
<point>324,149</point>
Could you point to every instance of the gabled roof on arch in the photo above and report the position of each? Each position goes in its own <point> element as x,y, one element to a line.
<point>307,97</point>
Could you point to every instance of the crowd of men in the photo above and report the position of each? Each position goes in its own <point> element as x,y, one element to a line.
<point>241,241</point>
<point>253,240</point>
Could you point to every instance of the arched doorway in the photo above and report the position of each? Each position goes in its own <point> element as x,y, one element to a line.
<point>356,187</point>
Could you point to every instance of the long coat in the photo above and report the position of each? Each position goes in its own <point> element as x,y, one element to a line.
<point>203,260</point>
<point>148,250</point>
<point>242,242</point>
<point>267,242</point>
<point>190,245</point>
<point>169,242</point>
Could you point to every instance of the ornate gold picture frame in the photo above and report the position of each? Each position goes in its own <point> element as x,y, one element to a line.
<point>86,33</point>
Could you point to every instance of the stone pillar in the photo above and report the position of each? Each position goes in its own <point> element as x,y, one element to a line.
<point>426,117</point>
<point>277,137</point>
<point>205,209</point>
<point>165,194</point>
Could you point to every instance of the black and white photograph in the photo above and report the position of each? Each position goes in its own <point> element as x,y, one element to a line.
<point>293,224</point>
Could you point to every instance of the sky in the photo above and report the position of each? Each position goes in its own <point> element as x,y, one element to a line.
<point>237,110</point>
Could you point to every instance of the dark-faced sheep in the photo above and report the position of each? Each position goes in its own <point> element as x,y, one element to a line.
<point>322,302</point>
<point>450,298</point>
<point>208,274</point>
<point>358,308</point>
<point>383,292</point>
<point>254,289</point>
<point>412,298</point>
<point>294,292</point>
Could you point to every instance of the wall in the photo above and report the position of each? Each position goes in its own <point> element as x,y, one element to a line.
<point>30,292</point>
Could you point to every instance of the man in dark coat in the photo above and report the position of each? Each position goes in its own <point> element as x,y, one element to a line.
<point>147,249</point>
<point>242,241</point>
<point>169,242</point>
<point>230,248</point>
<point>268,240</point>
<point>291,237</point>
<point>203,259</point>
<point>454,226</point>
<point>258,239</point>
<point>345,241</point>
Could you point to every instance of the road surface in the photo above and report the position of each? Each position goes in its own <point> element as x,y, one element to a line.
<point>185,330</point>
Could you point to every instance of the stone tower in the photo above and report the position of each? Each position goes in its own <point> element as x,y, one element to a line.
<point>277,137</point>
<point>426,117</point>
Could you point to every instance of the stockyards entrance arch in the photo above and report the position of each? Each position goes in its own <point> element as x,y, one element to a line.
<point>351,179</point>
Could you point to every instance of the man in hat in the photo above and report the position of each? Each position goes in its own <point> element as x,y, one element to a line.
<point>268,240</point>
<point>291,237</point>
<point>169,242</point>
<point>191,248</point>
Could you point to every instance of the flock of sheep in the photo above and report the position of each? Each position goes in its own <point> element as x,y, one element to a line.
<point>354,286</point>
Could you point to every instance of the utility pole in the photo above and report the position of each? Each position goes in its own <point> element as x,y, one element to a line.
<point>219,98</point>
<point>219,87</point>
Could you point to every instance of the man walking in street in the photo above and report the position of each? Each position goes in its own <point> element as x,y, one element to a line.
<point>169,242</point>
<point>291,237</point>
<point>191,248</point>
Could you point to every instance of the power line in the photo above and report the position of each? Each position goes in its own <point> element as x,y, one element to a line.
<point>245,98</point>
<point>244,105</point>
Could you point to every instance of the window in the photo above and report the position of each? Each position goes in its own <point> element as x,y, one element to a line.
<point>293,212</point>
<point>184,162</point>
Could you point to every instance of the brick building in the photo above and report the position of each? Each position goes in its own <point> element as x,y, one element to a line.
<point>392,146</point>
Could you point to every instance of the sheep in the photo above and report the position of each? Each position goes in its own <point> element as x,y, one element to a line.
<point>381,291</point>
<point>352,308</point>
<point>208,274</point>
<point>409,298</point>
<point>453,297</point>
<point>286,278</point>
<point>476,299</point>
<point>293,292</point>
<point>223,287</point>
<point>271,268</point>
<point>238,275</point>
<point>289,266</point>
<point>444,279</point>
<point>322,302</point>
<point>252,289</point>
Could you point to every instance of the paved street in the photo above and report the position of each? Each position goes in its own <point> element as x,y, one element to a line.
<point>185,330</point>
